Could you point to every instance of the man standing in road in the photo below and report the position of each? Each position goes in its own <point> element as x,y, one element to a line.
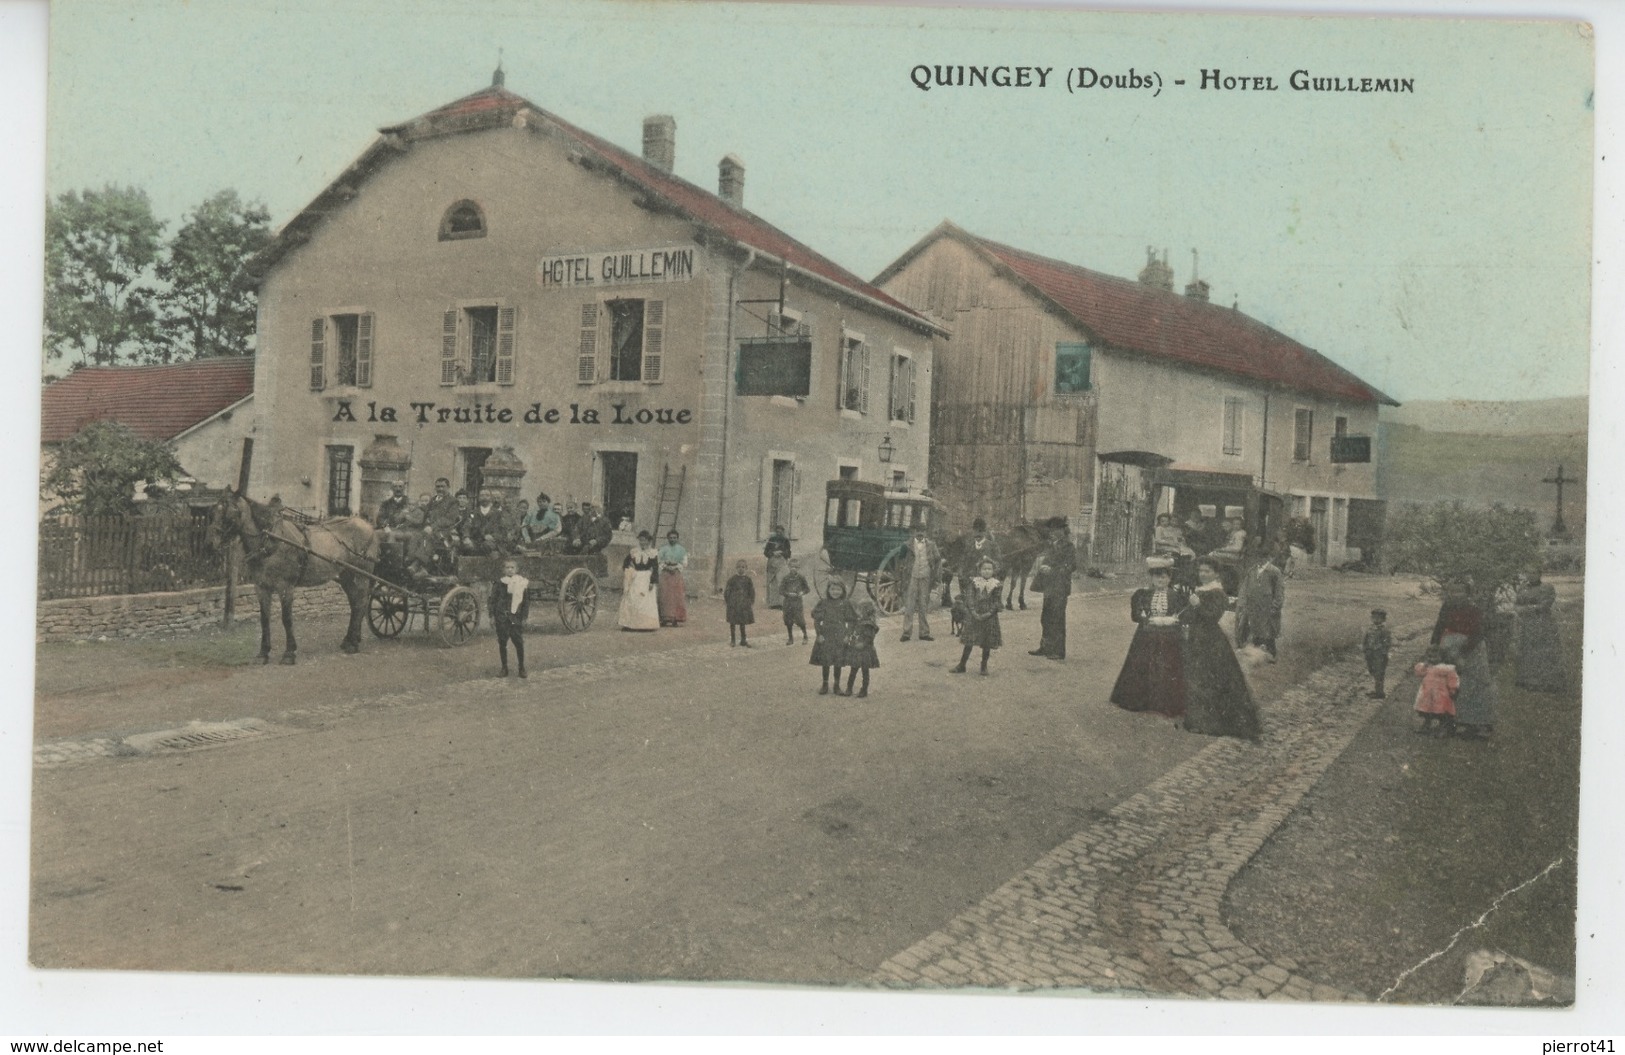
<point>1054,572</point>
<point>921,564</point>
<point>1258,609</point>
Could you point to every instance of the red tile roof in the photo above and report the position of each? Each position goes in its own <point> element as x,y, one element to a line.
<point>495,106</point>
<point>1161,324</point>
<point>155,402</point>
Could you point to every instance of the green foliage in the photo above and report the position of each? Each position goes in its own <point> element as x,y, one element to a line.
<point>100,248</point>
<point>208,309</point>
<point>1447,541</point>
<point>95,471</point>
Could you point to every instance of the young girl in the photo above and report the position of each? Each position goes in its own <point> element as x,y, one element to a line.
<point>832,622</point>
<point>860,647</point>
<point>981,618</point>
<point>1436,697</point>
<point>739,597</point>
<point>508,605</point>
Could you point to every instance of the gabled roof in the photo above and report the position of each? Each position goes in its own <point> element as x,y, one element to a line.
<point>1131,316</point>
<point>496,107</point>
<point>154,402</point>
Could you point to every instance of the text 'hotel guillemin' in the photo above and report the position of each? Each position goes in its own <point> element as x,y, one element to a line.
<point>495,296</point>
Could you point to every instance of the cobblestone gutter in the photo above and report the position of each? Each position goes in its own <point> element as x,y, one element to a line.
<point>1133,902</point>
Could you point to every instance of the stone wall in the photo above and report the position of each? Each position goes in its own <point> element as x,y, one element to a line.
<point>155,614</point>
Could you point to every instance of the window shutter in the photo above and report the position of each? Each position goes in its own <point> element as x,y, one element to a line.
<point>587,357</point>
<point>654,339</point>
<point>911,380</point>
<point>448,347</point>
<point>505,320</point>
<point>318,354</point>
<point>863,379</point>
<point>840,375</point>
<point>363,351</point>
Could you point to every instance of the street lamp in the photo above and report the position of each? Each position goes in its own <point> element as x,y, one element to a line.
<point>886,449</point>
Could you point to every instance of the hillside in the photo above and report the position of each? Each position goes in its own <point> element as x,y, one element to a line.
<point>1419,465</point>
<point>1529,417</point>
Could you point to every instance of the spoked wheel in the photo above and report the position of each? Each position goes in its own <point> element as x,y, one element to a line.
<point>886,586</point>
<point>578,600</point>
<point>459,616</point>
<point>388,611</point>
<point>822,572</point>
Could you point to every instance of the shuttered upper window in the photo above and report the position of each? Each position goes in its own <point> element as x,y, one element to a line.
<point>477,345</point>
<point>902,387</point>
<point>853,393</point>
<point>630,334</point>
<point>341,350</point>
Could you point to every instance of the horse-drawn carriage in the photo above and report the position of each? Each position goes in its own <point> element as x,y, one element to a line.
<point>865,530</point>
<point>1212,498</point>
<point>451,605</point>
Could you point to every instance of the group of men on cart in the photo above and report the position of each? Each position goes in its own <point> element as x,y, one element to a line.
<point>425,539</point>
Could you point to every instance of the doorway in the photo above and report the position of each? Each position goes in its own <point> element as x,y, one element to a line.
<point>474,459</point>
<point>1320,522</point>
<point>620,486</point>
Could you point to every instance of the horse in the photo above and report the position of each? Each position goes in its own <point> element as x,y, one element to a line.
<point>282,554</point>
<point>1019,547</point>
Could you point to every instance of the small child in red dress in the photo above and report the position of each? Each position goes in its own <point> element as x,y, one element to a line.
<point>1436,697</point>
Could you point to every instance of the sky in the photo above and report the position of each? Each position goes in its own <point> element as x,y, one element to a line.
<point>1436,243</point>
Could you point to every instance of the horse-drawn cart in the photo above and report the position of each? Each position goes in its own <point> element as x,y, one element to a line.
<point>866,528</point>
<point>451,606</point>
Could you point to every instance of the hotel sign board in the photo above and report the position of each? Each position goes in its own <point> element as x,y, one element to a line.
<point>618,267</point>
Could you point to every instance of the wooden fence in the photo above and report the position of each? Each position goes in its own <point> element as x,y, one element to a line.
<point>92,556</point>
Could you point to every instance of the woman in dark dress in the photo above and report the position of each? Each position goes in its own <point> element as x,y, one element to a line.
<point>1218,700</point>
<point>1538,646</point>
<point>1459,631</point>
<point>1153,674</point>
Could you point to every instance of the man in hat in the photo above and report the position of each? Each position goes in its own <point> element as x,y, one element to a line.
<point>980,547</point>
<point>1058,562</point>
<point>1258,609</point>
<point>390,509</point>
<point>593,532</point>
<point>917,575</point>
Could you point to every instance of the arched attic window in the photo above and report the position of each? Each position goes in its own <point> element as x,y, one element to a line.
<point>463,220</point>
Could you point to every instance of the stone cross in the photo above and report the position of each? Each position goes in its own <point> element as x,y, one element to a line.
<point>1558,528</point>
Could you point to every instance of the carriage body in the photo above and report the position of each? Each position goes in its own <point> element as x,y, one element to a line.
<point>864,533</point>
<point>451,605</point>
<point>1227,495</point>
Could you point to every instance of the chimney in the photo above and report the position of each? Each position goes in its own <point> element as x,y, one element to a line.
<point>1197,289</point>
<point>1156,272</point>
<point>731,180</point>
<point>660,140</point>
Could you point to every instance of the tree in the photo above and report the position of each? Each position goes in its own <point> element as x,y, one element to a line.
<point>96,469</point>
<point>100,248</point>
<point>1449,541</point>
<point>208,309</point>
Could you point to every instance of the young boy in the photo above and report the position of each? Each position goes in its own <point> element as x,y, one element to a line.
<point>1378,642</point>
<point>793,586</point>
<point>509,604</point>
<point>739,597</point>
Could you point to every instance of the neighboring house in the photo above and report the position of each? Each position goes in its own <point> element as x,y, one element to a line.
<point>203,408</point>
<point>495,296</point>
<point>1064,389</point>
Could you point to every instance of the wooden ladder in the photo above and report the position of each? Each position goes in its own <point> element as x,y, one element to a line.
<point>671,496</point>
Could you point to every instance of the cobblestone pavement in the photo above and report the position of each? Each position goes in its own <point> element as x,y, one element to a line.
<point>1133,902</point>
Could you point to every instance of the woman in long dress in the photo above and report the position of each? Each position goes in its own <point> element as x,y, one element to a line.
<point>1459,631</point>
<point>673,590</point>
<point>1538,646</point>
<point>1218,700</point>
<point>777,552</point>
<point>640,579</point>
<point>1153,674</point>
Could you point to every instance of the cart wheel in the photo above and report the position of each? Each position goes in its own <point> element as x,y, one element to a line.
<point>885,586</point>
<point>459,616</point>
<point>578,600</point>
<point>388,611</point>
<point>822,572</point>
